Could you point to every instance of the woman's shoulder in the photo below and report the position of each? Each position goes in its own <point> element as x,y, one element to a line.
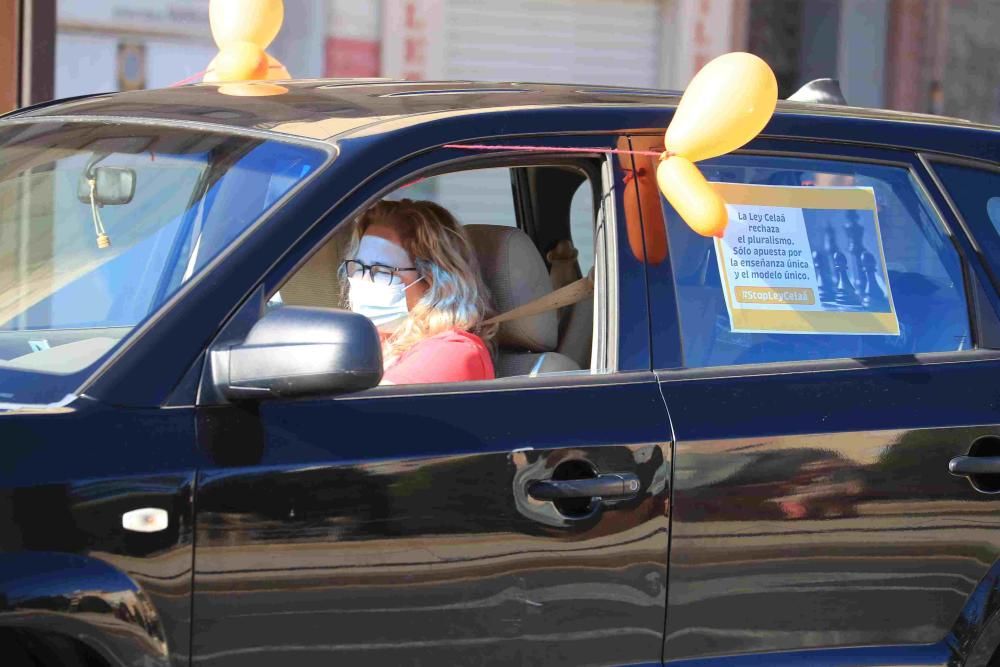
<point>449,356</point>
<point>457,336</point>
<point>456,342</point>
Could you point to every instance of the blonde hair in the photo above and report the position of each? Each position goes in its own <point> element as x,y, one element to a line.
<point>457,297</point>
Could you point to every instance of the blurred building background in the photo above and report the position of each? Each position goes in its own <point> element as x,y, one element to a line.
<point>920,55</point>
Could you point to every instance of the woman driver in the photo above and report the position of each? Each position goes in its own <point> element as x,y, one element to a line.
<point>413,272</point>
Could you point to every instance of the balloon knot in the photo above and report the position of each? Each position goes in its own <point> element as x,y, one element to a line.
<point>666,155</point>
<point>632,174</point>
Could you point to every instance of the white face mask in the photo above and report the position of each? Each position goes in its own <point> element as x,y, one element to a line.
<point>385,305</point>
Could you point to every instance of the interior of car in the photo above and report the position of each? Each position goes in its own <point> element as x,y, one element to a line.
<point>533,228</point>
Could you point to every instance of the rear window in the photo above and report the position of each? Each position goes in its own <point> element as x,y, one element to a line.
<point>890,272</point>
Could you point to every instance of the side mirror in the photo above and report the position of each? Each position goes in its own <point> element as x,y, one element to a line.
<point>113,186</point>
<point>295,351</point>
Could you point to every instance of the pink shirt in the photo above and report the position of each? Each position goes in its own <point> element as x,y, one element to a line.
<point>451,356</point>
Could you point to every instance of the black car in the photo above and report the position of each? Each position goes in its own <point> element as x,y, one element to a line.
<point>197,467</point>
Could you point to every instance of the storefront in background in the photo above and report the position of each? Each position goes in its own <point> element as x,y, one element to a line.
<point>903,54</point>
<point>124,44</point>
<point>107,45</point>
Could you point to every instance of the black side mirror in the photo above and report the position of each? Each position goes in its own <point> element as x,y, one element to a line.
<point>113,186</point>
<point>298,351</point>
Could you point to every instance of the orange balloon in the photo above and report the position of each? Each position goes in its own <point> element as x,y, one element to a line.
<point>647,235</point>
<point>241,61</point>
<point>647,239</point>
<point>254,21</point>
<point>275,71</point>
<point>727,103</point>
<point>692,197</point>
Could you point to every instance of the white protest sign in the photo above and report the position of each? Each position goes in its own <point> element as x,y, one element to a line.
<point>804,260</point>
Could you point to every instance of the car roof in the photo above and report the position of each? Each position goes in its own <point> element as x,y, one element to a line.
<point>329,109</point>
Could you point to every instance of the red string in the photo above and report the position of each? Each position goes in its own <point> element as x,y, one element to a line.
<point>190,79</point>
<point>560,149</point>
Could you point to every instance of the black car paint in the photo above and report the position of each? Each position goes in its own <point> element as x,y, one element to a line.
<point>77,466</point>
<point>66,565</point>
<point>426,548</point>
<point>508,581</point>
<point>891,548</point>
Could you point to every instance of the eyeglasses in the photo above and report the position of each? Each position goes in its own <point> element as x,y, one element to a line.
<point>380,273</point>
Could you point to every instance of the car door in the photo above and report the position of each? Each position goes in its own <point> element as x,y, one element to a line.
<point>393,526</point>
<point>813,506</point>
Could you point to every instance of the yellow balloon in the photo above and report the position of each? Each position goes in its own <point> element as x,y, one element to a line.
<point>241,61</point>
<point>210,75</point>
<point>689,193</point>
<point>275,70</point>
<point>255,21</point>
<point>727,103</point>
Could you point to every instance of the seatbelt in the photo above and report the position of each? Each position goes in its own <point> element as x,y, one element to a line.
<point>565,270</point>
<point>573,293</point>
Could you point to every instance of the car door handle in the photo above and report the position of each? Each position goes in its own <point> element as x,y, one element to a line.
<point>609,487</point>
<point>974,465</point>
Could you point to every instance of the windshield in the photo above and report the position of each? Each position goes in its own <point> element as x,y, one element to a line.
<point>100,224</point>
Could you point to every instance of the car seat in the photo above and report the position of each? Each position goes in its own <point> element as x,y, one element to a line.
<point>515,274</point>
<point>576,338</point>
<point>317,282</point>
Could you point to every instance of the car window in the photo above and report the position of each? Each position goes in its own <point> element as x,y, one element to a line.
<point>976,193</point>
<point>512,271</point>
<point>893,266</point>
<point>100,224</point>
<point>474,197</point>
<point>486,197</point>
<point>581,223</point>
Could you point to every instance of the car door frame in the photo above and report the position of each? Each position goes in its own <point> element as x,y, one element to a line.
<point>928,160</point>
<point>435,160</point>
<point>977,628</point>
<point>625,288</point>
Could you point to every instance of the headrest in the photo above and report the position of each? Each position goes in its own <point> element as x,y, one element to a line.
<point>317,282</point>
<point>515,273</point>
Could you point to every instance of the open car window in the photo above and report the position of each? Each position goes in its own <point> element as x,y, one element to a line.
<point>532,229</point>
<point>474,197</point>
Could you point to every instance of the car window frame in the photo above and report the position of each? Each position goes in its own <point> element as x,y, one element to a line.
<point>438,161</point>
<point>606,301</point>
<point>987,285</point>
<point>929,160</point>
<point>670,345</point>
<point>123,376</point>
